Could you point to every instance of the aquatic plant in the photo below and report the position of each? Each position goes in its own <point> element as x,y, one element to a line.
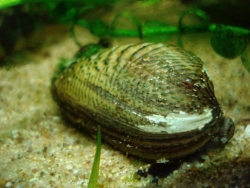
<point>227,40</point>
<point>93,180</point>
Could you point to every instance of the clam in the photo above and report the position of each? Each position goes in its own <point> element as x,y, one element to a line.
<point>151,100</point>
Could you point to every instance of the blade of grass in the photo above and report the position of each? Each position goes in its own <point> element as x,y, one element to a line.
<point>93,180</point>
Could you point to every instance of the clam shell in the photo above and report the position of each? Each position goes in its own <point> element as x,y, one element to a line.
<point>151,100</point>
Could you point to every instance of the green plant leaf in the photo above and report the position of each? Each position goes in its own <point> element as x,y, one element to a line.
<point>93,180</point>
<point>229,41</point>
<point>87,51</point>
<point>98,27</point>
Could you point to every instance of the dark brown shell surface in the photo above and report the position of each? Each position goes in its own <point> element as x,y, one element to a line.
<point>151,100</point>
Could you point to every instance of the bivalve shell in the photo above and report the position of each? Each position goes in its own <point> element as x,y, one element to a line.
<point>151,100</point>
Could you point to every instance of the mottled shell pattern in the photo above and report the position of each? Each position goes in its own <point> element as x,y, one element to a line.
<point>151,100</point>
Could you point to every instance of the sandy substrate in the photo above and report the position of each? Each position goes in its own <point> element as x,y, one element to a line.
<point>38,149</point>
